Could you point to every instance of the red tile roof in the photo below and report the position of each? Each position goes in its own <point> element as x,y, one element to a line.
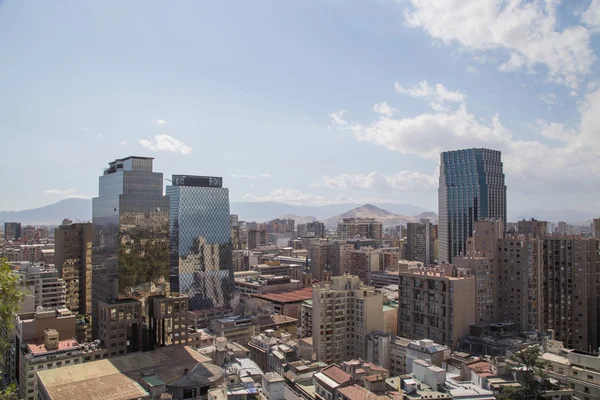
<point>291,296</point>
<point>356,392</point>
<point>334,372</point>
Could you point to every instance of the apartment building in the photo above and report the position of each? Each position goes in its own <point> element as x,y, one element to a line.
<point>532,227</point>
<point>257,238</point>
<point>363,263</point>
<point>370,228</point>
<point>420,242</point>
<point>345,311</point>
<point>42,286</point>
<point>485,272</point>
<point>436,303</point>
<point>120,325</point>
<point>332,256</point>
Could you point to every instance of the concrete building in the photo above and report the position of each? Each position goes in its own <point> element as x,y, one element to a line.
<point>257,238</point>
<point>42,287</point>
<point>73,261</point>
<point>484,239</point>
<point>380,279</point>
<point>333,256</point>
<point>120,326</point>
<point>266,284</point>
<point>345,311</point>
<point>201,318</point>
<point>287,303</point>
<point>238,329</point>
<point>12,231</point>
<point>471,189</point>
<point>173,372</point>
<point>520,282</point>
<point>306,328</point>
<point>570,290</point>
<point>294,271</point>
<point>169,320</point>
<point>370,228</point>
<point>596,228</point>
<point>436,303</point>
<point>420,242</point>
<point>426,350</point>
<point>532,227</point>
<point>485,271</point>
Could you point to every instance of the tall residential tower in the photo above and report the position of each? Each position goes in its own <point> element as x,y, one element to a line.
<point>201,249</point>
<point>471,189</point>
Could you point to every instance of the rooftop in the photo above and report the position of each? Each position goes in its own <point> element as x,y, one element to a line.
<point>335,373</point>
<point>292,296</point>
<point>37,347</point>
<point>273,377</point>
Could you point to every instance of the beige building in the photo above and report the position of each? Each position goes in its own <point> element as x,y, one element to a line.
<point>120,325</point>
<point>532,227</point>
<point>238,329</point>
<point>596,228</point>
<point>486,276</point>
<point>256,238</point>
<point>333,256</point>
<point>420,242</point>
<point>42,287</point>
<point>363,263</point>
<point>484,238</point>
<point>73,261</point>
<point>370,228</point>
<point>169,323</point>
<point>436,303</point>
<point>344,312</point>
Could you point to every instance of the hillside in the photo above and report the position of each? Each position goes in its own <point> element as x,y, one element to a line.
<point>371,211</point>
<point>53,214</point>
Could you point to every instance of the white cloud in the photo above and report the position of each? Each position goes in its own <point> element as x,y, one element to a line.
<point>161,122</point>
<point>436,93</point>
<point>403,181</point>
<point>166,143</point>
<point>548,98</point>
<point>79,196</point>
<point>526,31</point>
<point>85,129</point>
<point>100,136</point>
<point>531,165</point>
<point>472,69</point>
<point>485,59</point>
<point>60,191</point>
<point>384,109</point>
<point>267,175</point>
<point>124,142</point>
<point>591,16</point>
<point>338,118</point>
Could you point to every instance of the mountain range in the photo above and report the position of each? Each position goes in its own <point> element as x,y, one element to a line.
<point>390,213</point>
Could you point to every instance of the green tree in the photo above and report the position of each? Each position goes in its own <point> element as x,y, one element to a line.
<point>10,296</point>
<point>532,374</point>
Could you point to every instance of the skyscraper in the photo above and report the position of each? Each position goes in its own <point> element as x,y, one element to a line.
<point>420,242</point>
<point>201,251</point>
<point>471,189</point>
<point>130,222</point>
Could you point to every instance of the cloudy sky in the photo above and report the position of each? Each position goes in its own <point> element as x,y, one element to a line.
<point>304,102</point>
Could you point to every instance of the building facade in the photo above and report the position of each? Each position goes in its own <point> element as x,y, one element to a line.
<point>12,231</point>
<point>201,250</point>
<point>344,312</point>
<point>471,189</point>
<point>130,248</point>
<point>370,228</point>
<point>420,242</point>
<point>73,260</point>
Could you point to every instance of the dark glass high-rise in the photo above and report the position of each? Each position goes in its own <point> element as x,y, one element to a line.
<point>201,249</point>
<point>130,220</point>
<point>471,189</point>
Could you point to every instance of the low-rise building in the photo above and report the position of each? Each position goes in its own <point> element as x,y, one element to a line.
<point>237,328</point>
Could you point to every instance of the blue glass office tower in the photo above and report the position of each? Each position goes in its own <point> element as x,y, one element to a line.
<point>201,250</point>
<point>130,245</point>
<point>471,188</point>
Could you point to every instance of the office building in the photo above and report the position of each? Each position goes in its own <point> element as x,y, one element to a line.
<point>73,260</point>
<point>596,228</point>
<point>315,229</point>
<point>369,228</point>
<point>130,248</point>
<point>41,286</point>
<point>471,189</point>
<point>12,231</point>
<point>420,242</point>
<point>333,256</point>
<point>201,250</point>
<point>257,238</point>
<point>345,311</point>
<point>238,329</point>
<point>437,303</point>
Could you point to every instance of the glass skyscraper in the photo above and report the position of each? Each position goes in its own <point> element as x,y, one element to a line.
<point>471,188</point>
<point>130,222</point>
<point>201,249</point>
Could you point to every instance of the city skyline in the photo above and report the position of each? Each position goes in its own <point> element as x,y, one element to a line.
<point>341,86</point>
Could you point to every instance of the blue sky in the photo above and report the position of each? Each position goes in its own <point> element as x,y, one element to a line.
<point>304,102</point>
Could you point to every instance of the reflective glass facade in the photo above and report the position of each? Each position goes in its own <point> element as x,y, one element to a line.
<point>130,220</point>
<point>471,188</point>
<point>201,249</point>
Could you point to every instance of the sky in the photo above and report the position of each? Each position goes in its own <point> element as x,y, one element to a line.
<point>304,102</point>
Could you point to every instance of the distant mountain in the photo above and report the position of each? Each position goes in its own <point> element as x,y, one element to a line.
<point>265,211</point>
<point>53,214</point>
<point>297,219</point>
<point>371,211</point>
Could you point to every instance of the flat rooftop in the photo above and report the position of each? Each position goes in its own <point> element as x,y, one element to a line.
<point>292,296</point>
<point>37,347</point>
